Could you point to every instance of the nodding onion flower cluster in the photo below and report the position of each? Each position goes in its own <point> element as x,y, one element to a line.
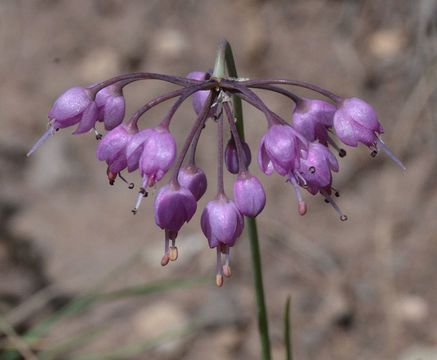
<point>300,150</point>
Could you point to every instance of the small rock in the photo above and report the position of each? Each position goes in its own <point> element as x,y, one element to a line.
<point>411,308</point>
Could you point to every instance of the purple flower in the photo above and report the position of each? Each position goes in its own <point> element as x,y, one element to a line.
<point>315,169</point>
<point>221,222</point>
<point>72,107</point>
<point>356,121</point>
<point>112,147</point>
<point>159,152</point>
<point>111,106</point>
<point>135,148</point>
<point>200,97</point>
<point>231,156</point>
<point>313,118</point>
<point>174,206</point>
<point>249,194</point>
<point>280,150</point>
<point>193,179</point>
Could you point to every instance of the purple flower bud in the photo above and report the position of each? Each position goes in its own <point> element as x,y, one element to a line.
<point>221,222</point>
<point>356,121</point>
<point>200,97</point>
<point>315,169</point>
<point>112,147</point>
<point>231,156</point>
<point>174,205</point>
<point>72,107</point>
<point>313,118</point>
<point>159,152</point>
<point>111,106</point>
<point>280,150</point>
<point>193,179</point>
<point>249,194</point>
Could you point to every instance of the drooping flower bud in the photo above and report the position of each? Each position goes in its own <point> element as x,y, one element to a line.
<point>200,97</point>
<point>280,150</point>
<point>111,106</point>
<point>113,146</point>
<point>193,179</point>
<point>221,222</point>
<point>313,118</point>
<point>316,167</point>
<point>249,194</point>
<point>72,107</point>
<point>231,156</point>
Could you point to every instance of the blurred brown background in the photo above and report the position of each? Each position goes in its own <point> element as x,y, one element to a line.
<point>361,289</point>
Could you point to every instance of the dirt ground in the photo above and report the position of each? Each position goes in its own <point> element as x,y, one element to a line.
<point>360,289</point>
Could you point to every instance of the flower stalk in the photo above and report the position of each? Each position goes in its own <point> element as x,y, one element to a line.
<point>226,52</point>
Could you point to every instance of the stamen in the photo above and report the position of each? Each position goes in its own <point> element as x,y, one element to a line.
<point>336,192</point>
<point>98,135</point>
<point>173,249</point>
<point>312,169</point>
<point>42,139</point>
<point>341,152</point>
<point>226,267</point>
<point>173,253</point>
<point>142,194</point>
<point>302,208</point>
<point>329,199</point>
<point>219,276</point>
<point>130,185</point>
<point>389,153</point>
<point>166,258</point>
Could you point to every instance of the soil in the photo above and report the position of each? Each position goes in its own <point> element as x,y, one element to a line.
<point>360,289</point>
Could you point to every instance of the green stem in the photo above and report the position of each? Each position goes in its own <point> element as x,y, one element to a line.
<point>259,289</point>
<point>224,53</point>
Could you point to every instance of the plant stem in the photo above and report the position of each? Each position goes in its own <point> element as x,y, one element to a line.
<point>259,289</point>
<point>225,51</point>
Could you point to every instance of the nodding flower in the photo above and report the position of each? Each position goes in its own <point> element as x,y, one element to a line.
<point>174,206</point>
<point>157,157</point>
<point>300,151</point>
<point>222,223</point>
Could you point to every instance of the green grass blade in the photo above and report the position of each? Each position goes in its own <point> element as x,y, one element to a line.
<point>287,330</point>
